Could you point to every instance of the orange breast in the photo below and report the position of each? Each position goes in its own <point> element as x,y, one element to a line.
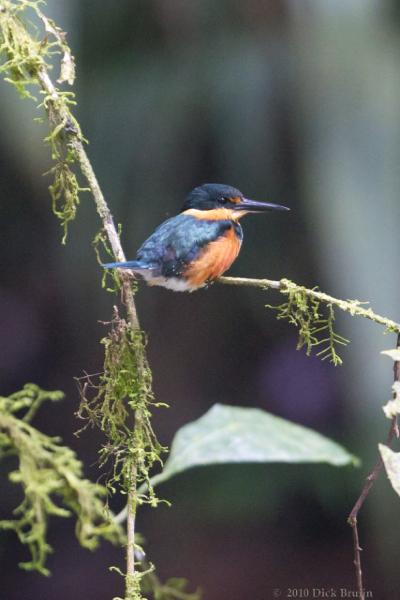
<point>214,259</point>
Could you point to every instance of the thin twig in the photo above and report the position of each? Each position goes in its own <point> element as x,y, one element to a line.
<point>353,307</point>
<point>127,293</point>
<point>369,482</point>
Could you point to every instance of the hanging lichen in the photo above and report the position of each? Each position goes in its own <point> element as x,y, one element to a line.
<point>26,52</point>
<point>314,321</point>
<point>112,402</point>
<point>51,478</point>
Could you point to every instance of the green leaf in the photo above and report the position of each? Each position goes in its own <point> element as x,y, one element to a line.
<point>391,460</point>
<point>228,434</point>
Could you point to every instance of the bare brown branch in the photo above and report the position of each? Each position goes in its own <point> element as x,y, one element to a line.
<point>369,482</point>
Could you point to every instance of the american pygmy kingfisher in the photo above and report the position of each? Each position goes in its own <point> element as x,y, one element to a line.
<point>194,248</point>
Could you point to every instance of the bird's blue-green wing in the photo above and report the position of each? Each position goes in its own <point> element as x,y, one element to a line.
<point>177,242</point>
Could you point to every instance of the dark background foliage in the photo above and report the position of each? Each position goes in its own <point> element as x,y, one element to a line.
<point>296,103</point>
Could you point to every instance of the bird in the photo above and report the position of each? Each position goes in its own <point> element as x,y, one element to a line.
<point>191,250</point>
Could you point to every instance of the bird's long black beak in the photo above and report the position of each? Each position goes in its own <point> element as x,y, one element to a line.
<point>256,207</point>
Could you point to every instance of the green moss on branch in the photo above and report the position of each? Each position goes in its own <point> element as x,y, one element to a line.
<point>51,478</point>
<point>113,402</point>
<point>26,54</point>
<point>312,312</point>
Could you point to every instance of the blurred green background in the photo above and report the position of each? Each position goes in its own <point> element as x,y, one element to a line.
<point>292,102</point>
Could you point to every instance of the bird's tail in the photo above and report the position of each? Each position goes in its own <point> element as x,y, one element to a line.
<point>134,265</point>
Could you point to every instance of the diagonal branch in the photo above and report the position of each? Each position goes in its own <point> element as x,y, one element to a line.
<point>61,116</point>
<point>369,482</point>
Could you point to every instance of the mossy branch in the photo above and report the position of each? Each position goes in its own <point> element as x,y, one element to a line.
<point>109,400</point>
<point>119,403</point>
<point>304,308</point>
<point>26,61</point>
<point>51,479</point>
<point>27,53</point>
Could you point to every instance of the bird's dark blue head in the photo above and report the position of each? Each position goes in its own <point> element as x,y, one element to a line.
<point>213,196</point>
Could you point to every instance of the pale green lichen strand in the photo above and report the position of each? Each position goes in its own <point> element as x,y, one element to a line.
<point>121,394</point>
<point>51,478</point>
<point>119,403</point>
<point>26,55</point>
<point>313,320</point>
<point>312,312</point>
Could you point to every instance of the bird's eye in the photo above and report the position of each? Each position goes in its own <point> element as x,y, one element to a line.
<point>224,200</point>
